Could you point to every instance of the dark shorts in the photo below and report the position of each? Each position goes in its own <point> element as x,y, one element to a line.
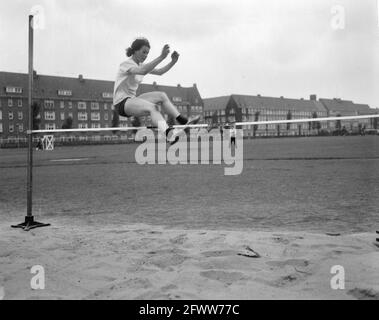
<point>120,108</point>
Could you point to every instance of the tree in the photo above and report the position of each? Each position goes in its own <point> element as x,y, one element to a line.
<point>338,123</point>
<point>214,117</point>
<point>256,119</point>
<point>316,125</point>
<point>67,124</point>
<point>136,122</point>
<point>170,121</point>
<point>115,120</point>
<point>289,117</point>
<point>375,123</point>
<point>36,116</point>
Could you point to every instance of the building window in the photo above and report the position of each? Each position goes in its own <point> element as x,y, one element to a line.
<point>13,90</point>
<point>19,102</point>
<point>62,116</point>
<point>70,104</point>
<point>70,114</point>
<point>95,125</point>
<point>64,93</point>
<point>106,117</point>
<point>95,116</point>
<point>83,125</point>
<point>62,104</point>
<point>10,103</point>
<point>11,128</point>
<point>82,116</point>
<point>49,115</point>
<point>20,127</point>
<point>82,106</point>
<point>1,127</point>
<point>10,115</point>
<point>95,106</point>
<point>107,95</point>
<point>49,104</point>
<point>1,115</point>
<point>20,115</point>
<point>50,126</point>
<point>105,106</point>
<point>176,99</point>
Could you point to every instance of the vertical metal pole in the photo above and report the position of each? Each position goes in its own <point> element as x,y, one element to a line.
<point>29,219</point>
<point>30,125</point>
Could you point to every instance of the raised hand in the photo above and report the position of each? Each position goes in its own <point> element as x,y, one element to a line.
<point>165,51</point>
<point>175,56</point>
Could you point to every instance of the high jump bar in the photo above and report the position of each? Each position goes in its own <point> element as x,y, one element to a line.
<point>111,129</point>
<point>305,120</point>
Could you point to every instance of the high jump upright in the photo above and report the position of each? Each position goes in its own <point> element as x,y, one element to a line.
<point>29,219</point>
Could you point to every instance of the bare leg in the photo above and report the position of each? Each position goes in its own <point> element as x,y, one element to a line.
<point>161,97</point>
<point>139,107</point>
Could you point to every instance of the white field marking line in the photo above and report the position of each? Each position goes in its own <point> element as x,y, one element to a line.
<point>68,160</point>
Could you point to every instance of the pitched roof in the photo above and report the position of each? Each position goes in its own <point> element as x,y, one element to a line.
<point>216,103</point>
<point>189,95</point>
<point>88,89</point>
<point>259,102</point>
<point>48,86</point>
<point>364,109</point>
<point>339,105</point>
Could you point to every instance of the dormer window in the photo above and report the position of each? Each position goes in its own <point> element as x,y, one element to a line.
<point>13,90</point>
<point>107,95</point>
<point>67,93</point>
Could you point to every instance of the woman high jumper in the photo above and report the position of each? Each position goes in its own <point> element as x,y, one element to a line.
<point>130,74</point>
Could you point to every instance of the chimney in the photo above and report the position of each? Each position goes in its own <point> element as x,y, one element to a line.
<point>313,97</point>
<point>259,95</point>
<point>154,84</point>
<point>35,75</point>
<point>81,79</point>
<point>194,85</point>
<point>281,97</point>
<point>179,86</point>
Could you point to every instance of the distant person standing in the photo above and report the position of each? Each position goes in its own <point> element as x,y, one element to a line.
<point>233,133</point>
<point>39,144</point>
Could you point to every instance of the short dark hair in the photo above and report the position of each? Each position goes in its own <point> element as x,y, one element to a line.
<point>137,45</point>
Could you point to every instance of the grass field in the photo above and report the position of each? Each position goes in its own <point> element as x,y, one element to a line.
<point>314,184</point>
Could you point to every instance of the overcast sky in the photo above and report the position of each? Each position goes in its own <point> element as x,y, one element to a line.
<point>275,48</point>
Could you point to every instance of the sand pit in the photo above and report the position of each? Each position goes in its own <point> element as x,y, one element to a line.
<point>85,260</point>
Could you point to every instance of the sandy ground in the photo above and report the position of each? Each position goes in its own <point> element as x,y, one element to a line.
<point>86,260</point>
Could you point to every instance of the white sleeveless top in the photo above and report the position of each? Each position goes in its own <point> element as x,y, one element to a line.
<point>126,84</point>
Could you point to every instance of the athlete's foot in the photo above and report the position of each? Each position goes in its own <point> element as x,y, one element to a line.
<point>173,135</point>
<point>191,121</point>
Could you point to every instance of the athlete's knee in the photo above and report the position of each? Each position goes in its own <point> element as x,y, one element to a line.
<point>162,96</point>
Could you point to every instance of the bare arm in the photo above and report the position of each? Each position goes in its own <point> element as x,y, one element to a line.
<point>159,72</point>
<point>148,67</point>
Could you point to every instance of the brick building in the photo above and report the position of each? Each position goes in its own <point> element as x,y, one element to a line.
<point>87,102</point>
<point>244,108</point>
